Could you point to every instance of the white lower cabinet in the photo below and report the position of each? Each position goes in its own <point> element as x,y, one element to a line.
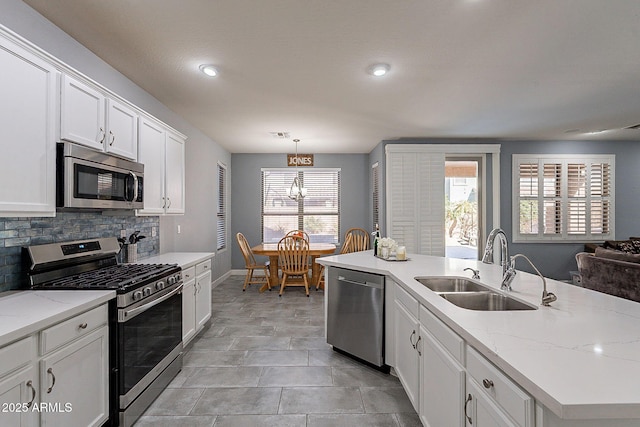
<point>443,385</point>
<point>18,393</point>
<point>58,376</point>
<point>407,363</point>
<point>75,382</point>
<point>447,381</point>
<point>203,298</point>
<point>196,299</point>
<point>189,306</point>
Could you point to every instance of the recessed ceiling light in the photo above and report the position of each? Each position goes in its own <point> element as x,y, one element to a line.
<point>379,70</point>
<point>209,70</point>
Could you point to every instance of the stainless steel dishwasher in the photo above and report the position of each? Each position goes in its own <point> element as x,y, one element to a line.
<point>355,314</point>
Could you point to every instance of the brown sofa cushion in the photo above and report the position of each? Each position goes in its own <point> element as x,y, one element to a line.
<point>619,255</point>
<point>620,245</point>
<point>610,276</point>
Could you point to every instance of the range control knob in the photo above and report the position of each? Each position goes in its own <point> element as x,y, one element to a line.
<point>171,280</point>
<point>160,285</point>
<point>178,277</point>
<point>137,295</point>
<point>146,291</point>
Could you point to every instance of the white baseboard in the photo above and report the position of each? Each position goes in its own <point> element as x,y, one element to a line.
<point>221,279</point>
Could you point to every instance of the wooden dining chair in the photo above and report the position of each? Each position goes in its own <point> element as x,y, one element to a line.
<point>293,259</point>
<point>251,265</point>
<point>359,239</point>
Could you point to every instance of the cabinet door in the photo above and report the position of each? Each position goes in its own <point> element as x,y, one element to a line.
<point>407,365</point>
<point>28,94</point>
<point>175,174</point>
<point>203,299</point>
<point>82,114</point>
<point>151,154</point>
<point>443,385</point>
<point>75,380</point>
<point>188,311</point>
<point>122,126</point>
<point>18,394</point>
<point>481,411</point>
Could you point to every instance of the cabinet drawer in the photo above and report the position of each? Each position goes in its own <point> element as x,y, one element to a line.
<point>16,355</point>
<point>203,267</point>
<point>410,303</point>
<point>515,401</point>
<point>62,333</point>
<point>449,339</point>
<point>188,274</point>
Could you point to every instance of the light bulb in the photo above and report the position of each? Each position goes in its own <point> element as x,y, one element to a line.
<point>209,70</point>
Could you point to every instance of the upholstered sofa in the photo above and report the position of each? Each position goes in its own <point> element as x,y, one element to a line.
<point>611,271</point>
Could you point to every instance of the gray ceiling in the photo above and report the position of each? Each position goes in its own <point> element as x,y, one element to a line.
<point>534,69</point>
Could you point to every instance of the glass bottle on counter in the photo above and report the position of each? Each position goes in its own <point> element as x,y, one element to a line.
<point>376,238</point>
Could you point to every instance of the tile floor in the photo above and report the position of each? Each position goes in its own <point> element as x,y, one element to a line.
<point>263,361</point>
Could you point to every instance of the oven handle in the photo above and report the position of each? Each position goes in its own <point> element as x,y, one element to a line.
<point>134,312</point>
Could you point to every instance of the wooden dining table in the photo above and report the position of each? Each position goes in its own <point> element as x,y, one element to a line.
<point>271,250</point>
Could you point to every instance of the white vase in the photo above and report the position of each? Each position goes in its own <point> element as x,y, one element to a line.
<point>384,252</point>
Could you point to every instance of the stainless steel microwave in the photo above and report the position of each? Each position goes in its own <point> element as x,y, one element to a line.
<point>96,180</point>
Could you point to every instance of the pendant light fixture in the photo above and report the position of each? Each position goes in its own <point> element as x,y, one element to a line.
<point>297,192</point>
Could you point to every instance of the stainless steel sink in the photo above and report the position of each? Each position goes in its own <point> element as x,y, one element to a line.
<point>486,301</point>
<point>451,284</point>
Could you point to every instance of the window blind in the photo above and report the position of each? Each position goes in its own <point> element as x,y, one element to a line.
<point>221,218</point>
<point>318,213</point>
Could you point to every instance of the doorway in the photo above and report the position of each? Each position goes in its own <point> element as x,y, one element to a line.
<point>463,207</point>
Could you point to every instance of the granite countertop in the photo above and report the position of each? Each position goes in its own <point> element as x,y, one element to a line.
<point>580,357</point>
<point>24,312</point>
<point>183,259</point>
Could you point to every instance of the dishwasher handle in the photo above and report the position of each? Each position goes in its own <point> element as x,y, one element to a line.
<point>365,284</point>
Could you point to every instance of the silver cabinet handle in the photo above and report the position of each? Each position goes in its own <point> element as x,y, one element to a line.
<point>53,378</point>
<point>103,136</point>
<point>416,347</point>
<point>113,138</point>
<point>487,383</point>
<point>83,325</point>
<point>469,398</point>
<point>164,202</point>
<point>411,339</point>
<point>169,199</point>
<point>33,393</point>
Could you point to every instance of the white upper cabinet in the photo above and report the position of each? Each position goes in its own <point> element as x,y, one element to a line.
<point>174,174</point>
<point>122,123</point>
<point>90,118</point>
<point>28,95</point>
<point>162,153</point>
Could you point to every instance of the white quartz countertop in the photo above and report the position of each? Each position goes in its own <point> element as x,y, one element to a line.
<point>580,357</point>
<point>25,312</point>
<point>183,259</point>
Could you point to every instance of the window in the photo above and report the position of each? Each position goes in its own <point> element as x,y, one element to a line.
<point>318,213</point>
<point>375,185</point>
<point>559,198</point>
<point>221,220</point>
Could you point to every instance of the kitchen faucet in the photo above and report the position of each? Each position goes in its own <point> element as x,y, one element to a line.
<point>510,274</point>
<point>487,258</point>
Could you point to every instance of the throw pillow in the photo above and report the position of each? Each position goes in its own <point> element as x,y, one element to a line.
<point>635,241</point>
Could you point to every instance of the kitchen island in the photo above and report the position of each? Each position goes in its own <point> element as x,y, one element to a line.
<point>579,359</point>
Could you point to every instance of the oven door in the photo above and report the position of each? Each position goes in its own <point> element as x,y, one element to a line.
<point>149,340</point>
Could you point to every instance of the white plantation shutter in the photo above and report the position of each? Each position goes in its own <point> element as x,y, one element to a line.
<point>221,217</point>
<point>563,197</point>
<point>415,201</point>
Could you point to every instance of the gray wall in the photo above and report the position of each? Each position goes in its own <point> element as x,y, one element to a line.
<point>246,193</point>
<point>201,152</point>
<point>556,260</point>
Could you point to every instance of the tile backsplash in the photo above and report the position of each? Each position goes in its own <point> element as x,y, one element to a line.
<point>67,226</point>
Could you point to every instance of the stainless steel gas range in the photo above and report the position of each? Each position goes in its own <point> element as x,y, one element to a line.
<point>145,318</point>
